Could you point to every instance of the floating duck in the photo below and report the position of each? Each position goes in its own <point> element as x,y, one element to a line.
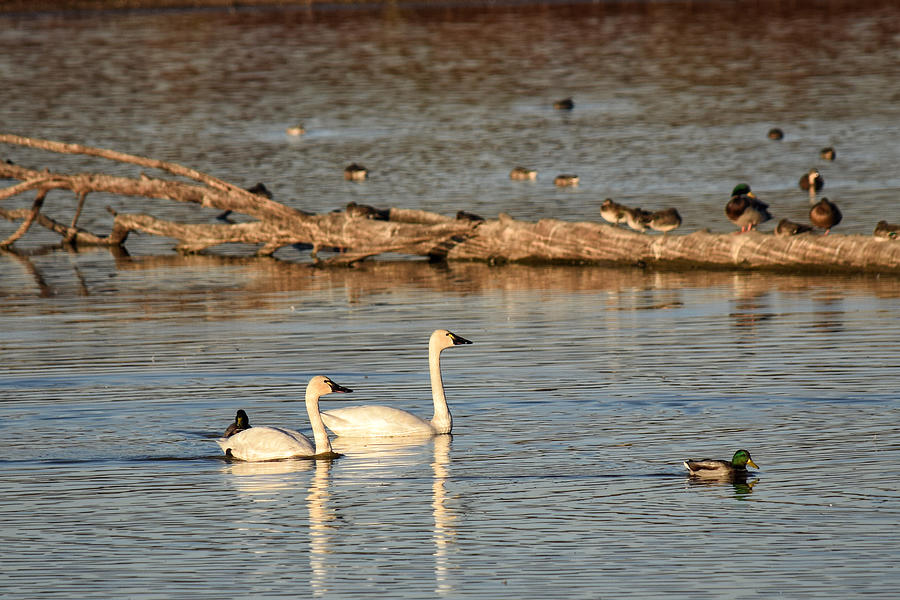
<point>746,210</point>
<point>612,212</point>
<point>812,181</point>
<point>295,129</point>
<point>665,220</point>
<point>364,211</point>
<point>566,180</point>
<point>355,172</point>
<point>886,231</point>
<point>462,215</point>
<point>825,214</point>
<point>523,174</point>
<point>776,134</point>
<point>787,228</point>
<point>638,219</point>
<point>565,104</point>
<point>721,469</point>
<point>828,153</point>
<point>241,422</point>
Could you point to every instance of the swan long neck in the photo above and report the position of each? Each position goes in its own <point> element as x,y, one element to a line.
<point>323,444</point>
<point>442,421</point>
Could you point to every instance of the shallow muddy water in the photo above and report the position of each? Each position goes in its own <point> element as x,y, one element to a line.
<point>585,387</point>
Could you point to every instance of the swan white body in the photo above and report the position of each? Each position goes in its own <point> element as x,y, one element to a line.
<point>272,443</point>
<point>385,421</point>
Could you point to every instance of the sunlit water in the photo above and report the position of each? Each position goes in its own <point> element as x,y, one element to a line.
<point>584,389</point>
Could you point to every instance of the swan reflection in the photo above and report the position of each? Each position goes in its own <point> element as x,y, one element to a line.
<point>394,453</point>
<point>263,478</point>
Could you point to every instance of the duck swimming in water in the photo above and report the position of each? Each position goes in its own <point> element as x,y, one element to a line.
<point>828,153</point>
<point>566,180</point>
<point>355,172</point>
<point>564,104</point>
<point>721,469</point>
<point>522,174</point>
<point>812,182</point>
<point>385,421</point>
<point>272,443</point>
<point>241,422</point>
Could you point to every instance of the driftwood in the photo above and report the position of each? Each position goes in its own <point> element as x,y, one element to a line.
<point>411,232</point>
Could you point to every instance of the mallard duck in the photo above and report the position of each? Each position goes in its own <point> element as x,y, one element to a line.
<point>812,181</point>
<point>564,104</point>
<point>523,174</point>
<point>637,218</point>
<point>612,212</point>
<point>825,214</point>
<point>719,469</point>
<point>742,188</point>
<point>241,422</point>
<point>365,211</point>
<point>355,172</point>
<point>787,228</point>
<point>828,153</point>
<point>462,215</point>
<point>566,180</point>
<point>886,231</point>
<point>297,129</point>
<point>746,210</point>
<point>775,133</point>
<point>665,220</point>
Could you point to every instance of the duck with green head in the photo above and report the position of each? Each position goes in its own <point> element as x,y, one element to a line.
<point>746,210</point>
<point>241,422</point>
<point>736,467</point>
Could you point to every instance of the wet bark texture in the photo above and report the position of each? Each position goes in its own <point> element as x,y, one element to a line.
<point>411,232</point>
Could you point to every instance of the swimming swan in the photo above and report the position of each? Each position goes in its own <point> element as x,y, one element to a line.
<point>271,443</point>
<point>384,421</point>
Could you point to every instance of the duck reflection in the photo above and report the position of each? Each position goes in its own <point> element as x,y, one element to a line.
<point>740,483</point>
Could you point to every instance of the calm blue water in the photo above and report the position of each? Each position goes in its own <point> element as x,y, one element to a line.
<point>585,387</point>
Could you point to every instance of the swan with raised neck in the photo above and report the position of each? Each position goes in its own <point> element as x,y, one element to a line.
<point>386,421</point>
<point>272,443</point>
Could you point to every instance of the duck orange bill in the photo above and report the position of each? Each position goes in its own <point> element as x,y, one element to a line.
<point>457,340</point>
<point>752,464</point>
<point>335,387</point>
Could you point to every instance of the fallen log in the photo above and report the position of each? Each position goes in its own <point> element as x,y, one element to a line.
<point>411,232</point>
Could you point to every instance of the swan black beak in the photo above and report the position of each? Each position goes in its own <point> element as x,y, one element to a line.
<point>338,388</point>
<point>458,340</point>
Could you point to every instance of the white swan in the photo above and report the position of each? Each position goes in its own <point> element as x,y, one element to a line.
<point>384,421</point>
<point>271,443</point>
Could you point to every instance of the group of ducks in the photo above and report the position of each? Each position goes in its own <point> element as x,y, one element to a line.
<point>664,220</point>
<point>242,441</point>
<point>746,210</point>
